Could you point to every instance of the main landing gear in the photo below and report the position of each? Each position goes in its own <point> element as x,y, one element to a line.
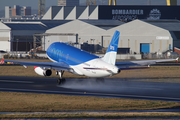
<point>60,80</point>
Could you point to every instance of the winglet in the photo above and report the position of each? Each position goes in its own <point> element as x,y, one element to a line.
<point>177,59</point>
<point>25,66</point>
<point>110,56</point>
<point>2,61</point>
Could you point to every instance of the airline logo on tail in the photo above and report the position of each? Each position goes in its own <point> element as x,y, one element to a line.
<point>112,47</point>
<point>110,56</point>
<point>114,42</point>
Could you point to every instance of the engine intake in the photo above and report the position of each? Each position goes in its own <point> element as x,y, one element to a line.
<point>42,72</point>
<point>48,72</point>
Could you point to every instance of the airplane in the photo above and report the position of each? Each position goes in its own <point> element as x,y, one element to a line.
<point>68,58</point>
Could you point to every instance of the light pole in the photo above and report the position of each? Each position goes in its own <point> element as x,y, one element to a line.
<point>79,40</point>
<point>17,45</point>
<point>92,40</point>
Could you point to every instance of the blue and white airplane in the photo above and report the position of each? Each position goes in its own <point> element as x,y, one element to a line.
<point>79,62</point>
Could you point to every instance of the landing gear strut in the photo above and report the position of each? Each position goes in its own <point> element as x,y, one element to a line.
<point>60,80</point>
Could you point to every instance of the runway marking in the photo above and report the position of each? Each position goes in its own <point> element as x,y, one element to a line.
<point>154,88</point>
<point>12,81</point>
<point>100,94</point>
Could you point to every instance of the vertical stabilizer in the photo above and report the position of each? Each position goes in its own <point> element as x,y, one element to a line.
<point>110,56</point>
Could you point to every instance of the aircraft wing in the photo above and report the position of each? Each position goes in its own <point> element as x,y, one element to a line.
<point>50,65</point>
<point>127,64</point>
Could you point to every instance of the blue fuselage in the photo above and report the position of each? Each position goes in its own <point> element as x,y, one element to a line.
<point>61,52</point>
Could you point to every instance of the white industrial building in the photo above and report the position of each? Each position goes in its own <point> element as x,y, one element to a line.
<point>18,36</point>
<point>137,36</point>
<point>71,13</point>
<point>5,35</point>
<point>84,33</point>
<point>141,36</point>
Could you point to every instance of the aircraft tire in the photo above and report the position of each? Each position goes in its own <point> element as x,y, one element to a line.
<point>58,81</point>
<point>61,81</point>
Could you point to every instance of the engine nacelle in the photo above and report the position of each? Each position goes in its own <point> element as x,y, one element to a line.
<point>42,72</point>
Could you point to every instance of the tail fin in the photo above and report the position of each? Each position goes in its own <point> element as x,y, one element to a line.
<point>110,56</point>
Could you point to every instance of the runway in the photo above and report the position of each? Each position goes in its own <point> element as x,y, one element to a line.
<point>110,87</point>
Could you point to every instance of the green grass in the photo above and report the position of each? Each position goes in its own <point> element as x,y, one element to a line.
<point>91,115</point>
<point>152,72</point>
<point>32,102</point>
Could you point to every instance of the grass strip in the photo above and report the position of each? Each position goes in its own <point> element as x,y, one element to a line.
<point>92,115</point>
<point>33,102</point>
<point>159,73</point>
<point>152,72</point>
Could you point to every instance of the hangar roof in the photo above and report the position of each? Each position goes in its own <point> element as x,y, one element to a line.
<point>76,26</point>
<point>139,28</point>
<point>49,24</point>
<point>3,26</point>
<point>171,25</point>
<point>42,25</point>
<point>26,26</point>
<point>53,23</point>
<point>104,24</point>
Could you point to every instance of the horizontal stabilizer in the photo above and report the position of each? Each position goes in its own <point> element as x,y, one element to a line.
<point>128,64</point>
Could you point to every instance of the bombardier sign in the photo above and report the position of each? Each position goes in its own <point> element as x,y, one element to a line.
<point>128,13</point>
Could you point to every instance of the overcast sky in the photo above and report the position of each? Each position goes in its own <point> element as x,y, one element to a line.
<point>34,3</point>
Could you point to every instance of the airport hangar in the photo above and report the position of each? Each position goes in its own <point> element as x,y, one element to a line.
<point>148,36</point>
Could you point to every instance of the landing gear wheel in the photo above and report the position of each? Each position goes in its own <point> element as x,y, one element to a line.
<point>58,81</point>
<point>61,81</point>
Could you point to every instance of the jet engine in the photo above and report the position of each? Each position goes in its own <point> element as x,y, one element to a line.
<point>42,72</point>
